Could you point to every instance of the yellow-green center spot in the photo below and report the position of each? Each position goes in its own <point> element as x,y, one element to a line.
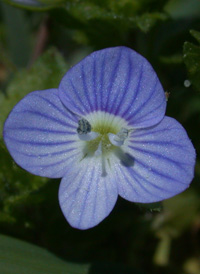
<point>92,146</point>
<point>104,129</point>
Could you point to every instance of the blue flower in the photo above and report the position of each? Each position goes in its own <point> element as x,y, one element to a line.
<point>104,132</point>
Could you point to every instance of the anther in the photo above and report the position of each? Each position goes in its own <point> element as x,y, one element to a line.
<point>84,127</point>
<point>84,131</point>
<point>119,138</point>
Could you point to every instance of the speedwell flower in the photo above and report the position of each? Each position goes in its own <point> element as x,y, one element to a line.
<point>104,132</point>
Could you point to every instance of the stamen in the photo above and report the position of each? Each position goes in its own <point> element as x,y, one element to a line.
<point>119,138</point>
<point>88,136</point>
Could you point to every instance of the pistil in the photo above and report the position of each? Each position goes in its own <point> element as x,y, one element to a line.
<point>99,151</point>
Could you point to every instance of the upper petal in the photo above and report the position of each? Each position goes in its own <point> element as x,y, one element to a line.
<point>164,160</point>
<point>40,134</point>
<point>115,80</point>
<point>86,196</point>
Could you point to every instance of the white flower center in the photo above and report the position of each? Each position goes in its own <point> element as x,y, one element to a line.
<point>103,133</point>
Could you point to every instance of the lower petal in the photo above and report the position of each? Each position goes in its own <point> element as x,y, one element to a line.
<point>164,160</point>
<point>86,196</point>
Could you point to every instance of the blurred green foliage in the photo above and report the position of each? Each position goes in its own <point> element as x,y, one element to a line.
<point>16,186</point>
<point>40,40</point>
<point>192,59</point>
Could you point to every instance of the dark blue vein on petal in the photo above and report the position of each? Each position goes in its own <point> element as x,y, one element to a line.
<point>152,111</point>
<point>76,193</point>
<point>39,143</point>
<point>106,194</point>
<point>65,114</point>
<point>44,155</point>
<point>95,198</point>
<point>135,176</point>
<point>143,104</point>
<point>50,118</point>
<point>148,182</point>
<point>76,154</point>
<point>86,92</point>
<point>42,166</point>
<point>86,196</point>
<point>52,164</point>
<point>157,172</point>
<point>77,96</point>
<point>128,181</point>
<point>113,78</point>
<point>126,89</point>
<point>42,130</point>
<point>132,174</point>
<point>160,157</point>
<point>160,143</point>
<point>94,83</point>
<point>73,192</point>
<point>136,92</point>
<point>102,81</point>
<point>138,134</point>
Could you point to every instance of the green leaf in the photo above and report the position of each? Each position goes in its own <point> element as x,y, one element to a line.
<point>46,73</point>
<point>191,57</point>
<point>18,257</point>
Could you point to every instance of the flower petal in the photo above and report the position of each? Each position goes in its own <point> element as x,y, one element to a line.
<point>118,81</point>
<point>86,196</point>
<point>40,134</point>
<point>164,160</point>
